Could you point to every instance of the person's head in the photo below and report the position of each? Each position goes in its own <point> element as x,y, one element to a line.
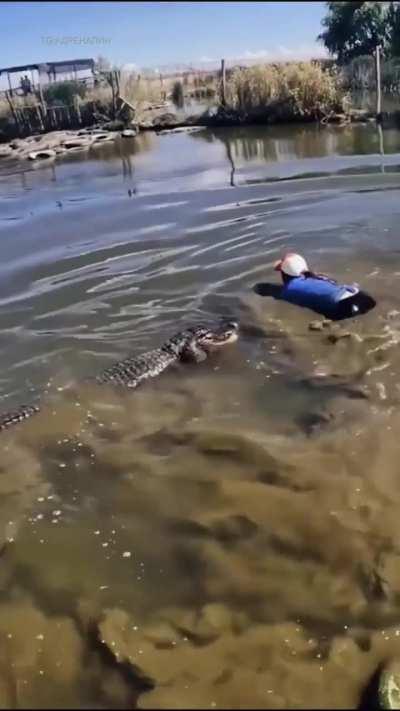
<point>292,265</point>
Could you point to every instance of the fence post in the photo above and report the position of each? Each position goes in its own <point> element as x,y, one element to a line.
<point>223,83</point>
<point>77,109</point>
<point>114,102</point>
<point>117,83</point>
<point>43,105</point>
<point>378,83</point>
<point>162,92</point>
<point>12,108</point>
<point>9,84</point>
<point>39,117</point>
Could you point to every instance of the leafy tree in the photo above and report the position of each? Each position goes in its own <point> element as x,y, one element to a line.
<point>353,29</point>
<point>393,19</point>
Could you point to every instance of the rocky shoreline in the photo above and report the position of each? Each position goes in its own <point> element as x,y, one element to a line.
<point>221,117</point>
<point>49,146</point>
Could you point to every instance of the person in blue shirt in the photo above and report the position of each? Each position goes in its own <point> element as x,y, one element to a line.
<point>316,291</point>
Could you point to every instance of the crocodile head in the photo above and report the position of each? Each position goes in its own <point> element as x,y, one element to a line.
<point>204,339</point>
<point>210,337</point>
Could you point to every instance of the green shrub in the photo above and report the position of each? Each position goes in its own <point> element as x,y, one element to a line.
<point>177,95</point>
<point>63,92</point>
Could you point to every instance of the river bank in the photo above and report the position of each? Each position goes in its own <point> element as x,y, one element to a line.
<point>293,93</point>
<point>267,95</point>
<point>53,144</point>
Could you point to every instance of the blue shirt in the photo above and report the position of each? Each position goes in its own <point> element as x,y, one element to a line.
<point>318,294</point>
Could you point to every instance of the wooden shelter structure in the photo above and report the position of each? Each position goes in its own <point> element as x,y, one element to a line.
<point>36,115</point>
<point>48,72</point>
<point>33,114</point>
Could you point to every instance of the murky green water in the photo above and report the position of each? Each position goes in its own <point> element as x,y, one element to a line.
<point>228,534</point>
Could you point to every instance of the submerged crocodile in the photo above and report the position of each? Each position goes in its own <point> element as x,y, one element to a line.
<point>193,344</point>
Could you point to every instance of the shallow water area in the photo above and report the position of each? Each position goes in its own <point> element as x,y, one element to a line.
<point>226,535</point>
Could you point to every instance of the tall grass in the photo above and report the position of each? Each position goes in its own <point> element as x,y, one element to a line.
<point>140,91</point>
<point>4,108</point>
<point>18,101</point>
<point>204,87</point>
<point>291,90</point>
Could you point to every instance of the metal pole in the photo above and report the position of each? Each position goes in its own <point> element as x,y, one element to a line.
<point>378,83</point>
<point>223,82</point>
<point>381,146</point>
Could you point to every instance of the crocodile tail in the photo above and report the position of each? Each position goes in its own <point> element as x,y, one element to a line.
<point>18,415</point>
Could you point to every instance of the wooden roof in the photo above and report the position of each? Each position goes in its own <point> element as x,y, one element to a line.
<point>67,65</point>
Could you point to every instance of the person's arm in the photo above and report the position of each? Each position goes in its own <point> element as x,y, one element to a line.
<point>267,289</point>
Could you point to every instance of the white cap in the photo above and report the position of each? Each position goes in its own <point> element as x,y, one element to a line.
<point>292,264</point>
